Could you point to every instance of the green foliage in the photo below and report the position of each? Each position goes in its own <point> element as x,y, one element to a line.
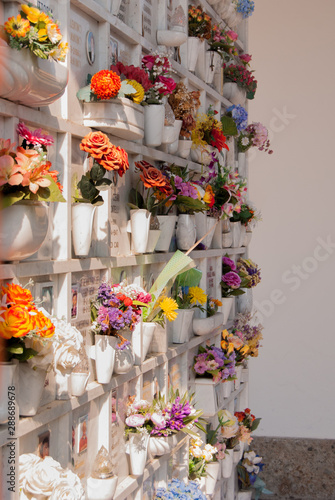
<point>229,127</point>
<point>16,349</point>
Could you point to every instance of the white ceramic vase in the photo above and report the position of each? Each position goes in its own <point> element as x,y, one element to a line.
<point>244,302</point>
<point>203,224</point>
<point>181,330</point>
<point>242,165</point>
<point>104,357</point>
<point>171,38</point>
<point>227,464</point>
<point>158,446</point>
<point>235,228</point>
<point>167,224</point>
<point>140,225</point>
<point>243,231</point>
<point>82,226</point>
<point>227,304</point>
<point>234,93</point>
<point>184,148</point>
<point>226,388</point>
<point>153,238</point>
<point>244,495</point>
<point>31,385</point>
<point>237,381</point>
<point>238,453</point>
<point>186,232</point>
<point>193,47</point>
<point>7,372</point>
<point>247,238</point>
<point>227,240</point>
<point>63,384</point>
<point>124,360</point>
<point>24,227</point>
<point>212,471</point>
<point>138,447</point>
<point>154,115</point>
<point>78,383</point>
<point>203,156</point>
<point>141,339</point>
<point>101,489</point>
<point>204,326</point>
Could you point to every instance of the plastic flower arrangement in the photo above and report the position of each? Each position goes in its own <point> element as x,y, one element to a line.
<point>104,157</point>
<point>239,115</point>
<point>178,489</point>
<point>244,7</point>
<point>243,77</point>
<point>212,306</point>
<point>199,457</point>
<point>247,472</point>
<point>222,41</point>
<point>251,334</point>
<point>190,297</point>
<point>208,131</point>
<point>233,342</point>
<point>185,104</point>
<point>212,362</point>
<point>133,73</point>
<point>25,171</point>
<point>199,23</point>
<point>232,279</point>
<point>26,329</point>
<point>248,423</point>
<point>117,307</point>
<point>229,429</point>
<point>158,67</point>
<point>249,271</point>
<point>254,135</point>
<point>228,181</point>
<point>245,215</point>
<point>35,30</point>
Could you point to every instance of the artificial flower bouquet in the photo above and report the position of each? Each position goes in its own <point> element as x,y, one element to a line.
<point>247,471</point>
<point>244,78</point>
<point>35,30</point>
<point>190,297</point>
<point>179,489</point>
<point>208,131</point>
<point>254,135</point>
<point>222,41</point>
<point>244,7</point>
<point>185,104</point>
<point>233,342</point>
<point>213,362</point>
<point>239,115</point>
<point>199,457</point>
<point>117,307</point>
<point>245,215</point>
<point>135,76</point>
<point>248,423</point>
<point>104,157</point>
<point>232,279</point>
<point>212,306</point>
<point>158,68</point>
<point>199,23</point>
<point>251,333</point>
<point>249,272</point>
<point>229,429</point>
<point>25,171</point>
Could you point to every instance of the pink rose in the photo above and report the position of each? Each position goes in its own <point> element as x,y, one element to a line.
<point>169,84</point>
<point>158,420</point>
<point>246,58</point>
<point>136,420</point>
<point>232,35</point>
<point>148,62</point>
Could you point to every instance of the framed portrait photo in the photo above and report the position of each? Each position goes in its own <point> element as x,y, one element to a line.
<point>45,292</point>
<point>82,434</point>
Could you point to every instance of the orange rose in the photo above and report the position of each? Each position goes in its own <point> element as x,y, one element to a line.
<point>96,144</point>
<point>152,177</point>
<point>16,294</point>
<point>45,327</point>
<point>17,322</point>
<point>116,159</point>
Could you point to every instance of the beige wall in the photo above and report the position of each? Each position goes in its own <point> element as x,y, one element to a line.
<point>293,380</point>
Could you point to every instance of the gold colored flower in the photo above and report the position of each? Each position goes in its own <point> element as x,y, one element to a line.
<point>169,306</point>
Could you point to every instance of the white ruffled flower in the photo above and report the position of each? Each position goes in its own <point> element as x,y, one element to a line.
<point>42,478</point>
<point>26,462</point>
<point>207,456</point>
<point>196,451</point>
<point>69,487</point>
<point>68,342</point>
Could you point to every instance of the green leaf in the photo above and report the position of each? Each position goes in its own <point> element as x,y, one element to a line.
<point>87,188</point>
<point>97,172</point>
<point>229,126</point>
<point>255,424</point>
<point>191,277</point>
<point>103,184</point>
<point>186,204</point>
<point>85,94</point>
<point>54,192</point>
<point>15,349</point>
<point>136,199</point>
<point>98,201</point>
<point>12,198</point>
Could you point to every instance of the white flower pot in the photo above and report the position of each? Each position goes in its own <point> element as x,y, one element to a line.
<point>227,240</point>
<point>154,115</point>
<point>247,238</point>
<point>124,360</point>
<point>203,224</point>
<point>101,489</point>
<point>227,304</point>
<point>212,471</point>
<point>243,230</point>
<point>235,228</point>
<point>171,136</point>
<point>225,225</point>
<point>31,385</point>
<point>227,464</point>
<point>244,302</point>
<point>245,375</point>
<point>242,165</point>
<point>204,326</point>
<point>78,383</point>
<point>7,372</point>
<point>209,395</point>
<point>226,388</point>
<point>238,453</point>
<point>158,446</point>
<point>153,238</point>
<point>63,384</point>
<point>168,134</point>
<point>184,148</point>
<point>138,446</point>
<point>167,224</point>
<point>24,227</point>
<point>171,38</point>
<point>30,80</point>
<point>140,224</point>
<point>120,117</point>
<point>141,339</point>
<point>82,225</point>
<point>104,357</point>
<point>237,381</point>
<point>180,330</point>
<point>203,156</point>
<point>186,232</point>
<point>207,63</point>
<point>234,93</point>
<point>244,495</point>
<point>193,47</point>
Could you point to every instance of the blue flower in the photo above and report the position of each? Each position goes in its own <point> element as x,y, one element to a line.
<point>178,489</point>
<point>245,7</point>
<point>239,115</point>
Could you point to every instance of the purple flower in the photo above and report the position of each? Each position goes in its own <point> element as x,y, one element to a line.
<point>200,367</point>
<point>232,279</point>
<point>229,262</point>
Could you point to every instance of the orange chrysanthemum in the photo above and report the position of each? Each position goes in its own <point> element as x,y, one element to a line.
<point>105,84</point>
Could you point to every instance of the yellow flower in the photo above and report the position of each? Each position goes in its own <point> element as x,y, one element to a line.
<point>197,295</point>
<point>44,18</point>
<point>31,12</point>
<point>139,96</point>
<point>42,35</point>
<point>53,33</point>
<point>169,307</point>
<point>17,26</point>
<point>244,350</point>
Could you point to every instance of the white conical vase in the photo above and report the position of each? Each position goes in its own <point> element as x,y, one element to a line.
<point>234,93</point>
<point>82,225</point>
<point>212,471</point>
<point>124,360</point>
<point>167,224</point>
<point>193,47</point>
<point>184,148</point>
<point>7,372</point>
<point>78,383</point>
<point>138,447</point>
<point>153,238</point>
<point>244,302</point>
<point>140,225</point>
<point>227,464</point>
<point>181,329</point>
<point>154,115</point>
<point>226,388</point>
<point>242,234</point>
<point>235,228</point>
<point>101,489</point>
<point>31,385</point>
<point>186,232</point>
<point>63,384</point>
<point>237,381</point>
<point>203,224</point>
<point>244,495</point>
<point>227,304</point>
<point>141,339</point>
<point>104,357</point>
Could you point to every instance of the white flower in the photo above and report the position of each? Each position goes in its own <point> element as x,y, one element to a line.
<point>196,451</point>
<point>211,449</point>
<point>158,419</point>
<point>206,455</point>
<point>245,141</point>
<point>69,487</point>
<point>26,462</point>
<point>66,346</point>
<point>53,32</point>
<point>42,478</point>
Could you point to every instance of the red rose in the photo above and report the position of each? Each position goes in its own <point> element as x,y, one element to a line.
<point>169,84</point>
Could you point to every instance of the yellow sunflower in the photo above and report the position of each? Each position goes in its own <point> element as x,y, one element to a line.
<point>197,295</point>
<point>139,96</point>
<point>169,307</point>
<point>17,26</point>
